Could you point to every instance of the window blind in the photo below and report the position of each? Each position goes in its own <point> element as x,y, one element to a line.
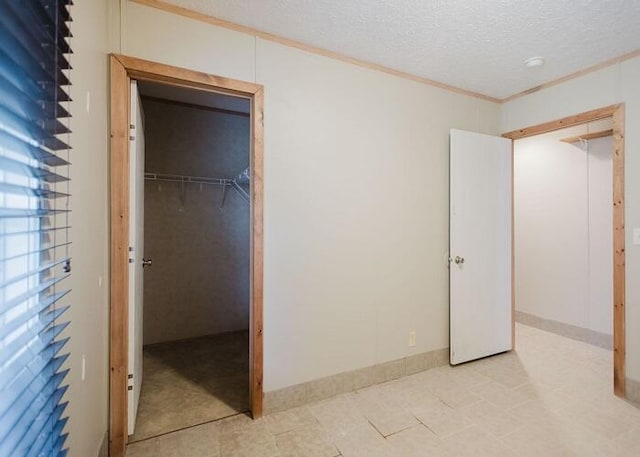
<point>34,225</point>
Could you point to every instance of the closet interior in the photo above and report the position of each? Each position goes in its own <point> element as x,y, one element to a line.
<point>564,232</point>
<point>197,241</point>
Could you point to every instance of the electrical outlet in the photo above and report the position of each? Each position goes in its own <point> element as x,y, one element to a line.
<point>412,338</point>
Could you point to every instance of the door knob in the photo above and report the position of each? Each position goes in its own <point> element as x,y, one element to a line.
<point>146,263</point>
<point>459,260</point>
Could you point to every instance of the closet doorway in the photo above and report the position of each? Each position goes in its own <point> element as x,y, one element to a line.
<point>193,258</point>
<point>569,273</point>
<point>186,250</point>
<point>563,232</point>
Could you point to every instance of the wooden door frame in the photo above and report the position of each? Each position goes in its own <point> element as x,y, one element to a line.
<point>122,70</point>
<point>617,113</point>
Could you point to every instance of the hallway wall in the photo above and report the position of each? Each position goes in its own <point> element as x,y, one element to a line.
<point>563,230</point>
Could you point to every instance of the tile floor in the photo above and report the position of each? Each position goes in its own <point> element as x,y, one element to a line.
<point>551,398</point>
<point>187,383</point>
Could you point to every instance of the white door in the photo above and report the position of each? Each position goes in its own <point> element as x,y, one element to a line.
<point>136,252</point>
<point>480,246</point>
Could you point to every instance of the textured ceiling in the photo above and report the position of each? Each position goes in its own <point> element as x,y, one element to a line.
<point>478,45</point>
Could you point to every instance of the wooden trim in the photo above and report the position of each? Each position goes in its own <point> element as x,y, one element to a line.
<point>570,121</point>
<point>617,112</point>
<point>146,70</point>
<point>513,249</point>
<point>256,394</point>
<point>307,48</point>
<point>119,282</point>
<point>588,136</point>
<point>122,70</point>
<point>577,74</point>
<point>195,106</point>
<point>619,266</point>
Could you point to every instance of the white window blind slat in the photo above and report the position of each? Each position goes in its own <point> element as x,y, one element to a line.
<point>39,270</point>
<point>34,226</point>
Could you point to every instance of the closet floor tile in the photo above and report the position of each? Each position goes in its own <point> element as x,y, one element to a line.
<point>191,382</point>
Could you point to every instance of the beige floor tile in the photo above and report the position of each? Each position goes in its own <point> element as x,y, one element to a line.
<point>551,398</point>
<point>629,443</point>
<point>467,376</point>
<point>531,440</point>
<point>458,397</point>
<point>474,442</point>
<point>238,423</point>
<point>417,441</point>
<point>630,439</point>
<point>143,449</point>
<point>442,420</point>
<point>384,414</point>
<point>362,441</point>
<point>412,394</point>
<point>429,407</point>
<point>581,441</point>
<point>199,441</point>
<point>250,443</point>
<point>532,412</point>
<point>438,379</point>
<point>501,396</point>
<point>306,442</point>
<point>618,407</point>
<point>390,420</point>
<point>187,383</point>
<point>338,415</point>
<point>480,410</point>
<point>606,425</point>
<point>293,419</point>
<point>491,419</point>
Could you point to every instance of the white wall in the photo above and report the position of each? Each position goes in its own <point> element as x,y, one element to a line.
<point>89,219</point>
<point>563,229</point>
<point>356,195</point>
<point>600,306</point>
<point>615,84</point>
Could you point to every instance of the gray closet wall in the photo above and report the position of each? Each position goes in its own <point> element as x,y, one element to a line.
<point>199,282</point>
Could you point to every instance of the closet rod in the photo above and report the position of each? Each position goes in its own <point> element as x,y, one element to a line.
<point>187,179</point>
<point>201,180</point>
